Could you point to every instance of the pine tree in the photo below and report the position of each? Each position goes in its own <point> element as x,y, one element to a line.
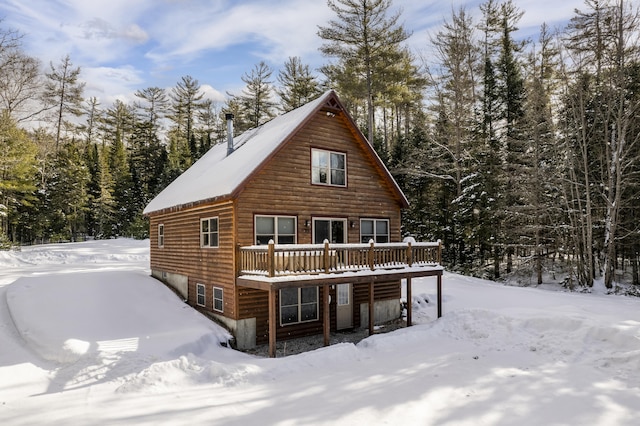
<point>455,104</point>
<point>297,85</point>
<point>186,103</point>
<point>364,36</point>
<point>68,194</point>
<point>256,100</point>
<point>63,94</point>
<point>152,107</point>
<point>104,206</point>
<point>17,165</point>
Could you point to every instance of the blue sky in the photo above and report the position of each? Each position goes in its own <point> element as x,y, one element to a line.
<point>124,45</point>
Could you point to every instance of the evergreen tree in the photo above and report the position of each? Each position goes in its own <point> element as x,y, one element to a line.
<point>17,167</point>
<point>297,85</point>
<point>104,205</point>
<point>363,37</point>
<point>62,93</point>
<point>152,107</point>
<point>68,193</point>
<point>186,104</point>
<point>455,105</point>
<point>92,161</point>
<point>256,103</point>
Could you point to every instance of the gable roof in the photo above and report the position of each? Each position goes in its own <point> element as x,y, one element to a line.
<point>217,175</point>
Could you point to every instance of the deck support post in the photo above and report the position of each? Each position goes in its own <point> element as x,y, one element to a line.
<point>326,319</point>
<point>371,311</point>
<point>272,323</point>
<point>409,301</point>
<point>439,295</point>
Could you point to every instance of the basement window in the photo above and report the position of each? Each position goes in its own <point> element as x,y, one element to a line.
<point>298,305</point>
<point>218,303</point>
<point>200,295</point>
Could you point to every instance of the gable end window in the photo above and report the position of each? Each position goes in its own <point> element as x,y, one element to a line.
<point>200,296</point>
<point>209,232</point>
<point>374,229</point>
<point>161,235</point>
<point>218,303</point>
<point>298,305</point>
<point>328,167</point>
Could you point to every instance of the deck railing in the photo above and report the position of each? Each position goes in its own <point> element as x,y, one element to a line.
<point>275,260</point>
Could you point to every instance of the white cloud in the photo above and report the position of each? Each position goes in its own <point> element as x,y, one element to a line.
<point>278,31</point>
<point>108,84</point>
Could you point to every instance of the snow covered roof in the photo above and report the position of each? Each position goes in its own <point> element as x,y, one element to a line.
<point>217,175</point>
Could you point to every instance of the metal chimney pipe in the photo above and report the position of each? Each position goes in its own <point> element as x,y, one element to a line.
<point>229,118</point>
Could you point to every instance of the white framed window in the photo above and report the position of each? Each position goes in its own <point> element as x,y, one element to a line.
<point>374,229</point>
<point>209,232</point>
<point>201,299</point>
<point>328,167</point>
<point>280,229</point>
<point>161,235</point>
<point>343,293</point>
<point>298,305</point>
<point>218,302</point>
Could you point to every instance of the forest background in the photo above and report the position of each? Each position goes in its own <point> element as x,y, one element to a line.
<point>522,156</point>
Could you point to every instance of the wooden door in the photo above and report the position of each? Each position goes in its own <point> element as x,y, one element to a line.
<point>344,306</point>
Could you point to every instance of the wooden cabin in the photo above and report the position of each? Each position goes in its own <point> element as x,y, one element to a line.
<point>290,229</point>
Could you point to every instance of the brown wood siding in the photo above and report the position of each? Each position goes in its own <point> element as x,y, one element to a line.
<point>283,187</point>
<point>383,291</point>
<point>182,254</point>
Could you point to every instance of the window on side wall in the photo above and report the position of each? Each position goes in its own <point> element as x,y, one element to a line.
<point>200,295</point>
<point>298,305</point>
<point>209,232</point>
<point>328,167</point>
<point>161,235</point>
<point>374,229</point>
<point>218,302</point>
<point>280,229</point>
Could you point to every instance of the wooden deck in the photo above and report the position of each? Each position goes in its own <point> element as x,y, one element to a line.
<point>273,267</point>
<point>311,259</point>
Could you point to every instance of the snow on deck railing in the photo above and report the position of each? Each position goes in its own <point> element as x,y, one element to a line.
<point>296,259</point>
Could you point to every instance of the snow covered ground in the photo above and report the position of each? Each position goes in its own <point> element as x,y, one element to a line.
<point>86,337</point>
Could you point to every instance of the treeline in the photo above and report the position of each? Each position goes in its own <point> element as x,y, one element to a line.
<point>521,155</point>
<point>90,170</point>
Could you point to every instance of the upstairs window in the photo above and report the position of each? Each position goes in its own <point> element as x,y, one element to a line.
<point>209,232</point>
<point>280,229</point>
<point>161,235</point>
<point>374,229</point>
<point>328,167</point>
